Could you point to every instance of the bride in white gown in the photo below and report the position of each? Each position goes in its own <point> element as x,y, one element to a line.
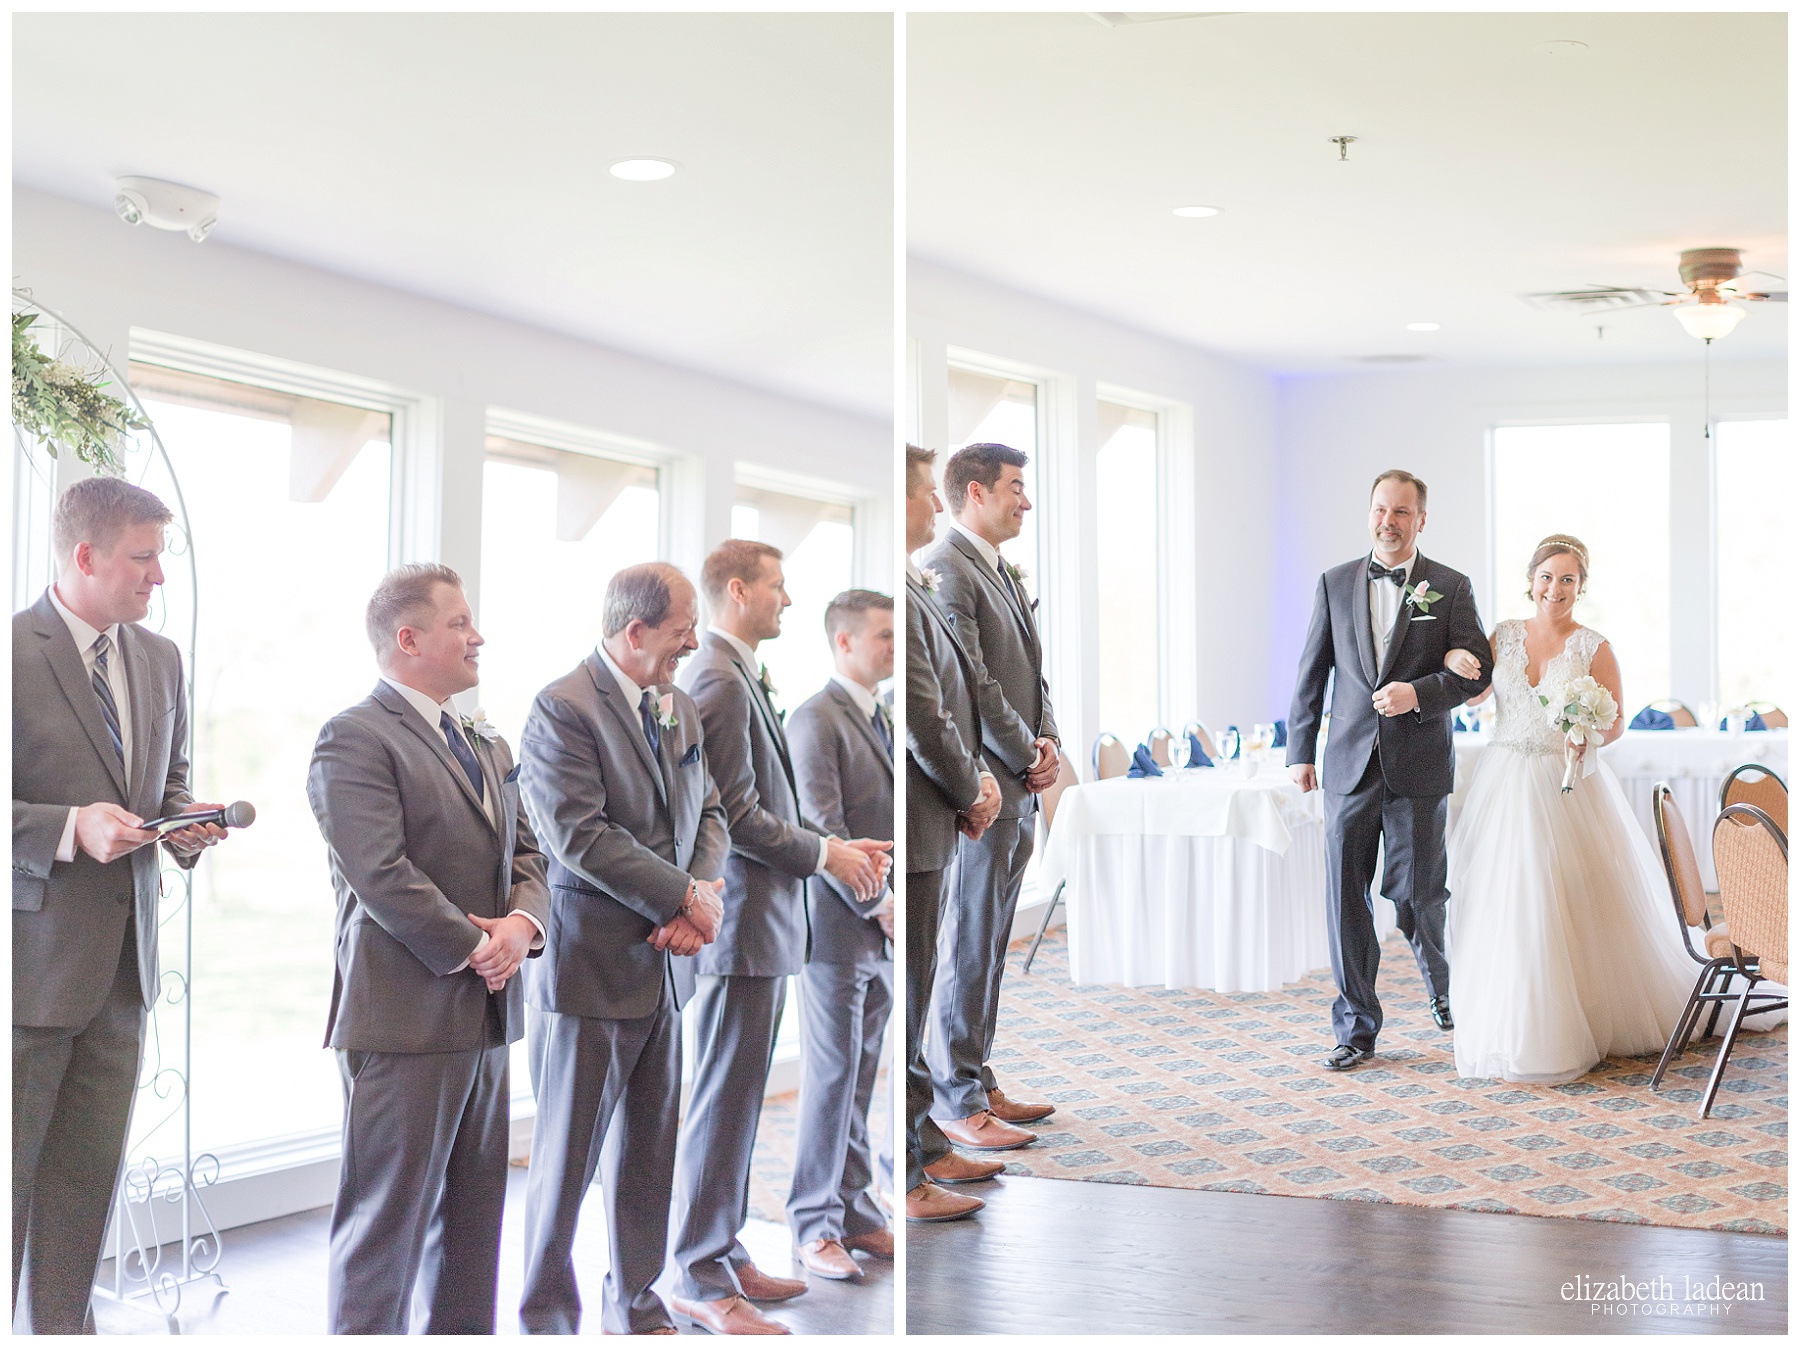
<point>1562,941</point>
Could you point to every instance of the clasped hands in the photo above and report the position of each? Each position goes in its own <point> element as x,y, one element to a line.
<point>508,942</point>
<point>696,922</point>
<point>106,832</point>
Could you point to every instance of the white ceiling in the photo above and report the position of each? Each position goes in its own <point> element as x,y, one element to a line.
<point>464,157</point>
<point>1046,151</point>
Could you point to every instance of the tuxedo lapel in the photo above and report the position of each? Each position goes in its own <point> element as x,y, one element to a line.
<point>1421,571</point>
<point>1365,631</point>
<point>627,718</point>
<point>71,674</point>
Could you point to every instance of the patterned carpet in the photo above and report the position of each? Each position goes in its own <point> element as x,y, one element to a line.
<point>1194,1089</point>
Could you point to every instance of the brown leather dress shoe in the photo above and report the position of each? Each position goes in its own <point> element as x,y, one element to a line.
<point>759,1285</point>
<point>957,1168</point>
<point>732,1315</point>
<point>1016,1110</point>
<point>984,1132</point>
<point>829,1259</point>
<point>928,1202</point>
<point>877,1243</point>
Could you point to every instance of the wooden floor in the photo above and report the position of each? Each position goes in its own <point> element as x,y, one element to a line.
<point>276,1272</point>
<point>1057,1256</point>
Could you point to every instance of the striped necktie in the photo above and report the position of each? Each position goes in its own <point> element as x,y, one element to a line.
<point>109,709</point>
<point>882,731</point>
<point>464,755</point>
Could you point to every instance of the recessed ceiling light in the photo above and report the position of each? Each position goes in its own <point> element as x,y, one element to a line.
<point>1196,212</point>
<point>1421,327</point>
<point>643,170</point>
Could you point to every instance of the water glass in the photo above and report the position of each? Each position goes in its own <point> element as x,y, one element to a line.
<point>1228,744</point>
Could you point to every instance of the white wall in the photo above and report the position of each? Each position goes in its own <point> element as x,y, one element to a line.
<point>1224,515</point>
<point>1335,433</point>
<point>107,278</point>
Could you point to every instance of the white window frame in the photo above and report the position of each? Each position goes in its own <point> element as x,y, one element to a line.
<point>871,516</point>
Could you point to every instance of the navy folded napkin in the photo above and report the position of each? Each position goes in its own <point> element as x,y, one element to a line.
<point>1652,719</point>
<point>1280,734</point>
<point>1458,724</point>
<point>1142,764</point>
<point>1754,723</point>
<point>1197,753</point>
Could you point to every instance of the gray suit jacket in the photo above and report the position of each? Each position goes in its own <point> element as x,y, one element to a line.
<point>69,919</point>
<point>1417,754</point>
<point>1000,635</point>
<point>943,736</point>
<point>625,832</point>
<point>412,853</point>
<point>847,785</point>
<point>773,848</point>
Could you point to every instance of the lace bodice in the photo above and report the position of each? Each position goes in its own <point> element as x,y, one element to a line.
<point>1521,724</point>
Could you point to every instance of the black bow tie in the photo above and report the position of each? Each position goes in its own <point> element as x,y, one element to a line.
<point>1379,572</point>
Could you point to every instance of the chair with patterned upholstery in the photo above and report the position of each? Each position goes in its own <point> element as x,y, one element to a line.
<point>1713,954</point>
<point>1047,802</point>
<point>1750,852</point>
<point>1757,785</point>
<point>1111,757</point>
<point>1161,750</point>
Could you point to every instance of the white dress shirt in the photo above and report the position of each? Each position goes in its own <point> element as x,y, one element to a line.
<point>1385,598</point>
<point>84,637</point>
<point>431,712</point>
<point>743,648</point>
<point>989,553</point>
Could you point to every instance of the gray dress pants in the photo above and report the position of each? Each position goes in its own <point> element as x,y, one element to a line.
<point>73,1090</point>
<point>608,1093</point>
<point>736,1016</point>
<point>977,923</point>
<point>844,1011</point>
<point>925,1140</point>
<point>420,1191</point>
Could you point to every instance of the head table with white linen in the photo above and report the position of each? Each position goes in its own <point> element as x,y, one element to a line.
<point>1694,762</point>
<point>1197,878</point>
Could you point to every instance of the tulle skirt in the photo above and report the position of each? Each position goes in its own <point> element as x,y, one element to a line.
<point>1563,941</point>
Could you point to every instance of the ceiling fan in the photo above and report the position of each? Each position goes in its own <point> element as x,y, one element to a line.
<point>1713,276</point>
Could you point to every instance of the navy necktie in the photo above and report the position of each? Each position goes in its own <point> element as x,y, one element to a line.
<point>882,731</point>
<point>652,730</point>
<point>109,709</point>
<point>464,754</point>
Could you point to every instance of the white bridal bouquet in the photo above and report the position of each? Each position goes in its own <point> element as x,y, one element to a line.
<point>1584,710</point>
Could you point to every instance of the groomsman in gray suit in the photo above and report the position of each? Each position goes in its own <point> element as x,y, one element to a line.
<point>762,940</point>
<point>441,896</point>
<point>986,603</point>
<point>843,742</point>
<point>100,733</point>
<point>947,790</point>
<point>617,784</point>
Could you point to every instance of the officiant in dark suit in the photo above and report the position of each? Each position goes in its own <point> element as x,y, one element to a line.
<point>100,744</point>
<point>1381,627</point>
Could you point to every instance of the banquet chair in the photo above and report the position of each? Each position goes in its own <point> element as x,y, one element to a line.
<point>1772,715</point>
<point>1757,785</point>
<point>1111,757</point>
<point>1750,851</point>
<point>1047,802</point>
<point>1678,712</point>
<point>1198,728</point>
<point>1160,748</point>
<point>1682,865</point>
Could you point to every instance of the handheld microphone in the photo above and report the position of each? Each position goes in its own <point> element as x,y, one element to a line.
<point>239,815</point>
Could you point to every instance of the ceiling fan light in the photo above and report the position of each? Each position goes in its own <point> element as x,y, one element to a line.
<point>1708,322</point>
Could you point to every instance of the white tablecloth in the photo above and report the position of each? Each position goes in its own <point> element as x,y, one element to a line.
<point>1695,763</point>
<point>1201,878</point>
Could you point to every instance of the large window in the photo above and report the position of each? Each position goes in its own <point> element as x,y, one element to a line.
<point>555,526</point>
<point>818,543</point>
<point>288,500</point>
<point>1609,486</point>
<point>1126,507</point>
<point>988,409</point>
<point>1756,481</point>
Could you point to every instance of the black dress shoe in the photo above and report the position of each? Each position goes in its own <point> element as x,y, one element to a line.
<point>1344,1057</point>
<point>1440,1012</point>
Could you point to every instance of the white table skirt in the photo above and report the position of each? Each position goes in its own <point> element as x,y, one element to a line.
<point>1194,879</point>
<point>1695,763</point>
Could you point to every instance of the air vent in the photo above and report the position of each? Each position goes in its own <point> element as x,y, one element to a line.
<point>1393,358</point>
<point>1128,20</point>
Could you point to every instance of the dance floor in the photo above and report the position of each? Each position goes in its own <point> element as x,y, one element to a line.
<point>1194,1089</point>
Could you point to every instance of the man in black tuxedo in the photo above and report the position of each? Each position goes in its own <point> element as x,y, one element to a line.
<point>1381,627</point>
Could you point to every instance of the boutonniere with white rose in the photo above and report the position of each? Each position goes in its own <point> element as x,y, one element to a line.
<point>480,726</point>
<point>665,711</point>
<point>1019,575</point>
<point>928,578</point>
<point>1422,596</point>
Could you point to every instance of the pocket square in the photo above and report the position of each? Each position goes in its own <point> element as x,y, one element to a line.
<point>513,775</point>
<point>1423,618</point>
<point>692,756</point>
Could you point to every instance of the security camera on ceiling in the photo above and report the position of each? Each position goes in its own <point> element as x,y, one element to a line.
<point>167,205</point>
